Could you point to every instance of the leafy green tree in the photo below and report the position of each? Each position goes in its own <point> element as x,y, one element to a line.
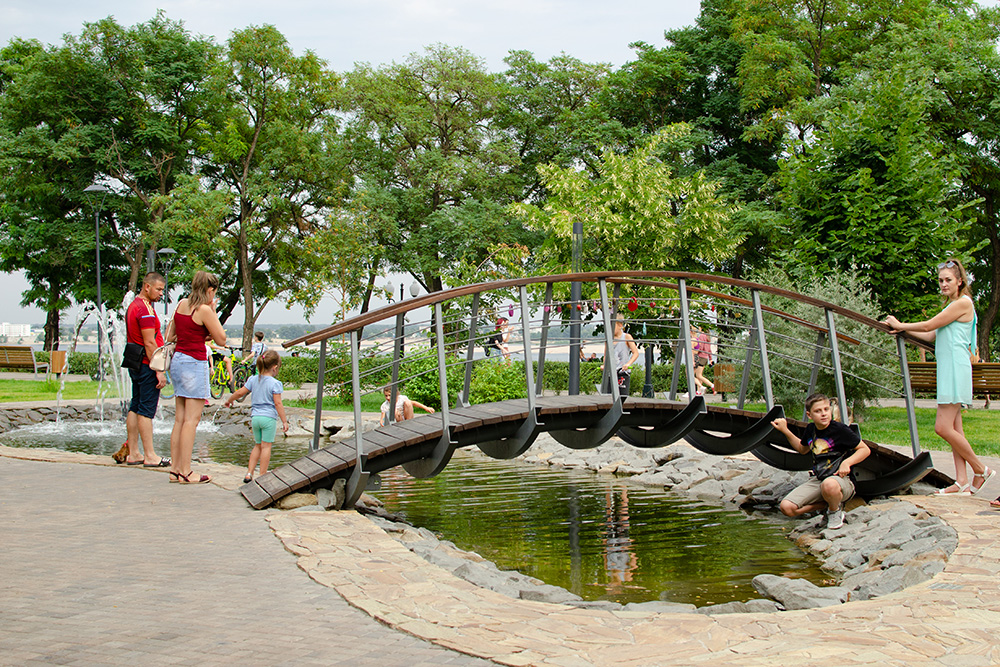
<point>155,104</point>
<point>425,151</point>
<point>270,174</point>
<point>872,188</point>
<point>637,210</point>
<point>48,111</point>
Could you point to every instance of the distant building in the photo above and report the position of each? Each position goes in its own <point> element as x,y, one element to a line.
<point>15,330</point>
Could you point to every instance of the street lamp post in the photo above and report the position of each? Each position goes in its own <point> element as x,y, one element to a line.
<point>168,262</point>
<point>95,189</point>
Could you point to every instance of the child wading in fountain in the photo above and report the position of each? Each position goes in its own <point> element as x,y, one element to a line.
<point>835,449</point>
<point>265,398</point>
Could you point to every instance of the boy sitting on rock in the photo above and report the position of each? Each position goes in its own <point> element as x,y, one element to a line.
<point>835,449</point>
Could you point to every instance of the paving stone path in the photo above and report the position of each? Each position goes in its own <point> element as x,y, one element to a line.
<point>107,565</point>
<point>114,566</point>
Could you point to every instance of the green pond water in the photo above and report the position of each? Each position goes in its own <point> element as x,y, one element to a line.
<point>595,535</point>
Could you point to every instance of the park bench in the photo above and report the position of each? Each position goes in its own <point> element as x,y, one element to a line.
<point>21,357</point>
<point>985,377</point>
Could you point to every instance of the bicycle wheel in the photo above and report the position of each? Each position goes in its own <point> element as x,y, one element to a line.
<point>168,389</point>
<point>217,382</point>
<point>242,374</point>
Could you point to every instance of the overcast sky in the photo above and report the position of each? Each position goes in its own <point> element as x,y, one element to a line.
<point>373,31</point>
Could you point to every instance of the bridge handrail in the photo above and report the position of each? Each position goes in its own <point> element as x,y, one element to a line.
<point>631,277</point>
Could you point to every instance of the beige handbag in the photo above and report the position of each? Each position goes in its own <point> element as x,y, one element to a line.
<point>160,361</point>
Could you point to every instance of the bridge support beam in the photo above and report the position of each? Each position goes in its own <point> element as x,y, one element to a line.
<point>592,436</point>
<point>666,433</point>
<point>515,445</point>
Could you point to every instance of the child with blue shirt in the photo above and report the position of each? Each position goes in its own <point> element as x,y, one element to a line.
<point>266,408</point>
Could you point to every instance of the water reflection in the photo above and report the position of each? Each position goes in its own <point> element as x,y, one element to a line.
<point>598,536</point>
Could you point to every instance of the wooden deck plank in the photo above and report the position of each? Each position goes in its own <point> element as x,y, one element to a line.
<point>256,495</point>
<point>328,460</point>
<point>273,485</point>
<point>312,470</point>
<point>291,477</point>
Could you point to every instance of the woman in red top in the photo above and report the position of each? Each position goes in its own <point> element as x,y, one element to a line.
<point>194,322</point>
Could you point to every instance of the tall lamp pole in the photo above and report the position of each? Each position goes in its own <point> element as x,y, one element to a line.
<point>95,189</point>
<point>168,261</point>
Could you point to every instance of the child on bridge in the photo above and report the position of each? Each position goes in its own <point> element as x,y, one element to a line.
<point>835,449</point>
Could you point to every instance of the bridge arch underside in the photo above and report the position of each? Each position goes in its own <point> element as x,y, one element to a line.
<point>508,428</point>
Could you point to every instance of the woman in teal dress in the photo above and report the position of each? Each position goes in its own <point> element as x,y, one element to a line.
<point>952,332</point>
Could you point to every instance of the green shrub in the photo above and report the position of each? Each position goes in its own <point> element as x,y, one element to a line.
<point>497,380</point>
<point>419,376</point>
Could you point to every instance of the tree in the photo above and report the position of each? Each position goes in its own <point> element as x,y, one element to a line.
<point>270,175</point>
<point>46,143</point>
<point>636,208</point>
<point>155,105</point>
<point>425,150</point>
<point>873,189</point>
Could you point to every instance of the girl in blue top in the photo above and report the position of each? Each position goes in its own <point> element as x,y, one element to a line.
<point>953,333</point>
<point>266,409</point>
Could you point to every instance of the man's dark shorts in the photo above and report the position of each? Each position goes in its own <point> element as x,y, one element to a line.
<point>145,395</point>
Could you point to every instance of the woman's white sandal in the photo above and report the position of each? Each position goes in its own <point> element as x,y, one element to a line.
<point>987,475</point>
<point>963,490</point>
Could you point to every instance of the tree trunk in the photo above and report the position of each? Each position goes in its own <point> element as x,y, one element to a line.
<point>51,330</point>
<point>990,314</point>
<point>246,279</point>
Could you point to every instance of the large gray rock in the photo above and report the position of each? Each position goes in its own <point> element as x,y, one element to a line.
<point>662,607</point>
<point>547,593</point>
<point>798,593</point>
<point>748,607</point>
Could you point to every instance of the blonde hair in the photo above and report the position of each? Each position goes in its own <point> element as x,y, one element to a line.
<point>963,278</point>
<point>202,282</point>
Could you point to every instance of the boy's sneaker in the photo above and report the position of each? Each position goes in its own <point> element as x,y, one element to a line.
<point>835,519</point>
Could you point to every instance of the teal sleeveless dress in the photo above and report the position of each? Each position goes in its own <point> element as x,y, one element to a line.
<point>952,346</point>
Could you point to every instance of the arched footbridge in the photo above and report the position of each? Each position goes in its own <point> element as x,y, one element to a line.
<point>768,343</point>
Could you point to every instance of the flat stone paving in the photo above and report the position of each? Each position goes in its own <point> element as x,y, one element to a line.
<point>112,566</point>
<point>105,565</point>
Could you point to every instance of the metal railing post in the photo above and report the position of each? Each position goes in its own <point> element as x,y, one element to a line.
<point>911,415</point>
<point>765,366</point>
<point>470,350</point>
<point>526,341</point>
<point>442,369</point>
<point>838,373</point>
<point>397,356</point>
<point>814,376</point>
<point>686,337</point>
<point>320,382</point>
<point>546,314</point>
<point>356,391</point>
<point>747,365</point>
<point>609,340</point>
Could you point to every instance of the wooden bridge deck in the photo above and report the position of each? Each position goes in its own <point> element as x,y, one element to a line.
<point>413,439</point>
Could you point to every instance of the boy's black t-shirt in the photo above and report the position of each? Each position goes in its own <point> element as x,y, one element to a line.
<point>830,447</point>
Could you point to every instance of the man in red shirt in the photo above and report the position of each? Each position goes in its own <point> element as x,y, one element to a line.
<point>142,327</point>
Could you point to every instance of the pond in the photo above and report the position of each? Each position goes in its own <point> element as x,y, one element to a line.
<point>595,535</point>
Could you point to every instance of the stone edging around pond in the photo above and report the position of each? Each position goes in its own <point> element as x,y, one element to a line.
<point>881,549</point>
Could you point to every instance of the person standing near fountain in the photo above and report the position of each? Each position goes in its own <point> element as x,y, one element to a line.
<point>194,322</point>
<point>142,327</point>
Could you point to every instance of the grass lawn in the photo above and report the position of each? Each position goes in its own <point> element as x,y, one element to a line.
<point>888,426</point>
<point>369,403</point>
<point>41,390</point>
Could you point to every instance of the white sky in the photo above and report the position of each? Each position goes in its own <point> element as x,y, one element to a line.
<point>373,31</point>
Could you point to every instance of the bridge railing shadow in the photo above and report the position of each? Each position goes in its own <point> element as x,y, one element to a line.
<point>768,344</point>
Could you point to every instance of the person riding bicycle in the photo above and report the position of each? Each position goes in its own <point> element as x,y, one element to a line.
<point>225,354</point>
<point>258,348</point>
